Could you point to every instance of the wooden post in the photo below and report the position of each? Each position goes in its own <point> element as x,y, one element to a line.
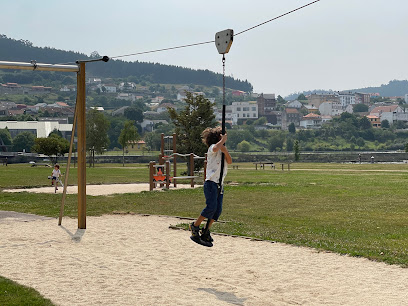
<point>192,168</point>
<point>151,172</point>
<point>288,167</point>
<point>161,149</point>
<point>71,145</point>
<point>167,174</point>
<point>81,147</point>
<point>174,158</point>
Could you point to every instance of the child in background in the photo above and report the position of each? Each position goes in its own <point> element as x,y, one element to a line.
<point>213,191</point>
<point>56,173</point>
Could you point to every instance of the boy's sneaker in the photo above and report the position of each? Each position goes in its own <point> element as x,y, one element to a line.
<point>195,230</point>
<point>205,235</point>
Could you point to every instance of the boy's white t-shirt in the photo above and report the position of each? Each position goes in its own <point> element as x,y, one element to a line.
<point>214,165</point>
<point>56,173</point>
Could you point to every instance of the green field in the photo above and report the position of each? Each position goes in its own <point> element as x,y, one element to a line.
<point>359,210</point>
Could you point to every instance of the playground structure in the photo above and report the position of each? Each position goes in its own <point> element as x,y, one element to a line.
<point>160,173</point>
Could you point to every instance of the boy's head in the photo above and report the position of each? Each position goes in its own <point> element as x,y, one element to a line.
<point>56,166</point>
<point>211,136</point>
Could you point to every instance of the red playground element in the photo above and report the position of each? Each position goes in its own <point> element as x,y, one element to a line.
<point>159,176</point>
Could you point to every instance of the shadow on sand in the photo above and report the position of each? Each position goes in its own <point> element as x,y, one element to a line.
<point>77,236</point>
<point>224,296</point>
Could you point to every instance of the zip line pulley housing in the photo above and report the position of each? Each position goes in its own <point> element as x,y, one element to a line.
<point>223,40</point>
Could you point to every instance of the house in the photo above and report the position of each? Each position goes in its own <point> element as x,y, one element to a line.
<point>120,111</point>
<point>311,121</point>
<point>391,113</point>
<point>331,108</point>
<point>290,115</point>
<point>266,107</point>
<point>157,99</point>
<point>362,98</point>
<point>229,115</point>
<point>316,99</point>
<point>138,145</point>
<point>98,108</point>
<point>374,120</point>
<point>61,104</point>
<point>164,107</point>
<point>126,96</point>
<point>244,110</point>
<point>294,104</point>
<point>148,125</point>
<point>311,108</point>
<point>109,88</point>
<point>40,89</point>
<point>94,81</point>
<point>238,93</point>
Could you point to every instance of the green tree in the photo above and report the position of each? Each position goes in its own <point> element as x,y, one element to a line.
<point>365,123</point>
<point>244,146</point>
<point>55,132</point>
<point>275,142</point>
<point>360,142</point>
<point>292,128</point>
<point>296,148</point>
<point>129,133</point>
<point>289,144</point>
<point>385,124</point>
<point>280,100</point>
<point>360,108</point>
<point>23,142</point>
<point>134,113</point>
<point>51,146</point>
<point>5,140</point>
<point>196,116</point>
<point>97,126</point>
<point>260,121</point>
<point>301,97</point>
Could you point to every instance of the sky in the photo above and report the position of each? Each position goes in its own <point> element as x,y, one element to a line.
<point>333,44</point>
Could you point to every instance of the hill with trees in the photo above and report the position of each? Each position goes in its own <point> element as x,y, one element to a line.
<point>25,51</point>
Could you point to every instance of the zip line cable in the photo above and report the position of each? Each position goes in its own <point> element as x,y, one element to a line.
<point>280,16</point>
<point>209,42</point>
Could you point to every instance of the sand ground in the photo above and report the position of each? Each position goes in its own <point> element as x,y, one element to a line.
<point>138,260</point>
<point>97,190</point>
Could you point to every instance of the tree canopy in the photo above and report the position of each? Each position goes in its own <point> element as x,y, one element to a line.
<point>97,126</point>
<point>196,116</point>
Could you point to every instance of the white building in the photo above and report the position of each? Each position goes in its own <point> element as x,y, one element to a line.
<point>346,99</point>
<point>406,98</point>
<point>245,110</point>
<point>330,108</point>
<point>38,128</point>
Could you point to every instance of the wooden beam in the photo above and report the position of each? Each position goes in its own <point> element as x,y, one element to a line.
<point>81,99</point>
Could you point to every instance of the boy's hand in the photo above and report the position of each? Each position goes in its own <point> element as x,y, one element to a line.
<point>224,138</point>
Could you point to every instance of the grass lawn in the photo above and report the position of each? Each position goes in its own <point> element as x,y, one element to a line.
<point>351,209</point>
<point>13,294</point>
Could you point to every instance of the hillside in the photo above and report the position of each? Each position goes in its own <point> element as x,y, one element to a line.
<point>24,51</point>
<point>392,89</point>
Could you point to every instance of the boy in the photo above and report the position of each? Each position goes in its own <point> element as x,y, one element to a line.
<point>213,190</point>
<point>56,173</point>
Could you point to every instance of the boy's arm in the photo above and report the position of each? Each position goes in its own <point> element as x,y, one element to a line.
<point>228,157</point>
<point>220,144</point>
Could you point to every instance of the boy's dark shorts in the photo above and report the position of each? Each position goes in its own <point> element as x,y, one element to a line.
<point>213,199</point>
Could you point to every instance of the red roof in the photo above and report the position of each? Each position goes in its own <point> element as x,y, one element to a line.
<point>311,116</point>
